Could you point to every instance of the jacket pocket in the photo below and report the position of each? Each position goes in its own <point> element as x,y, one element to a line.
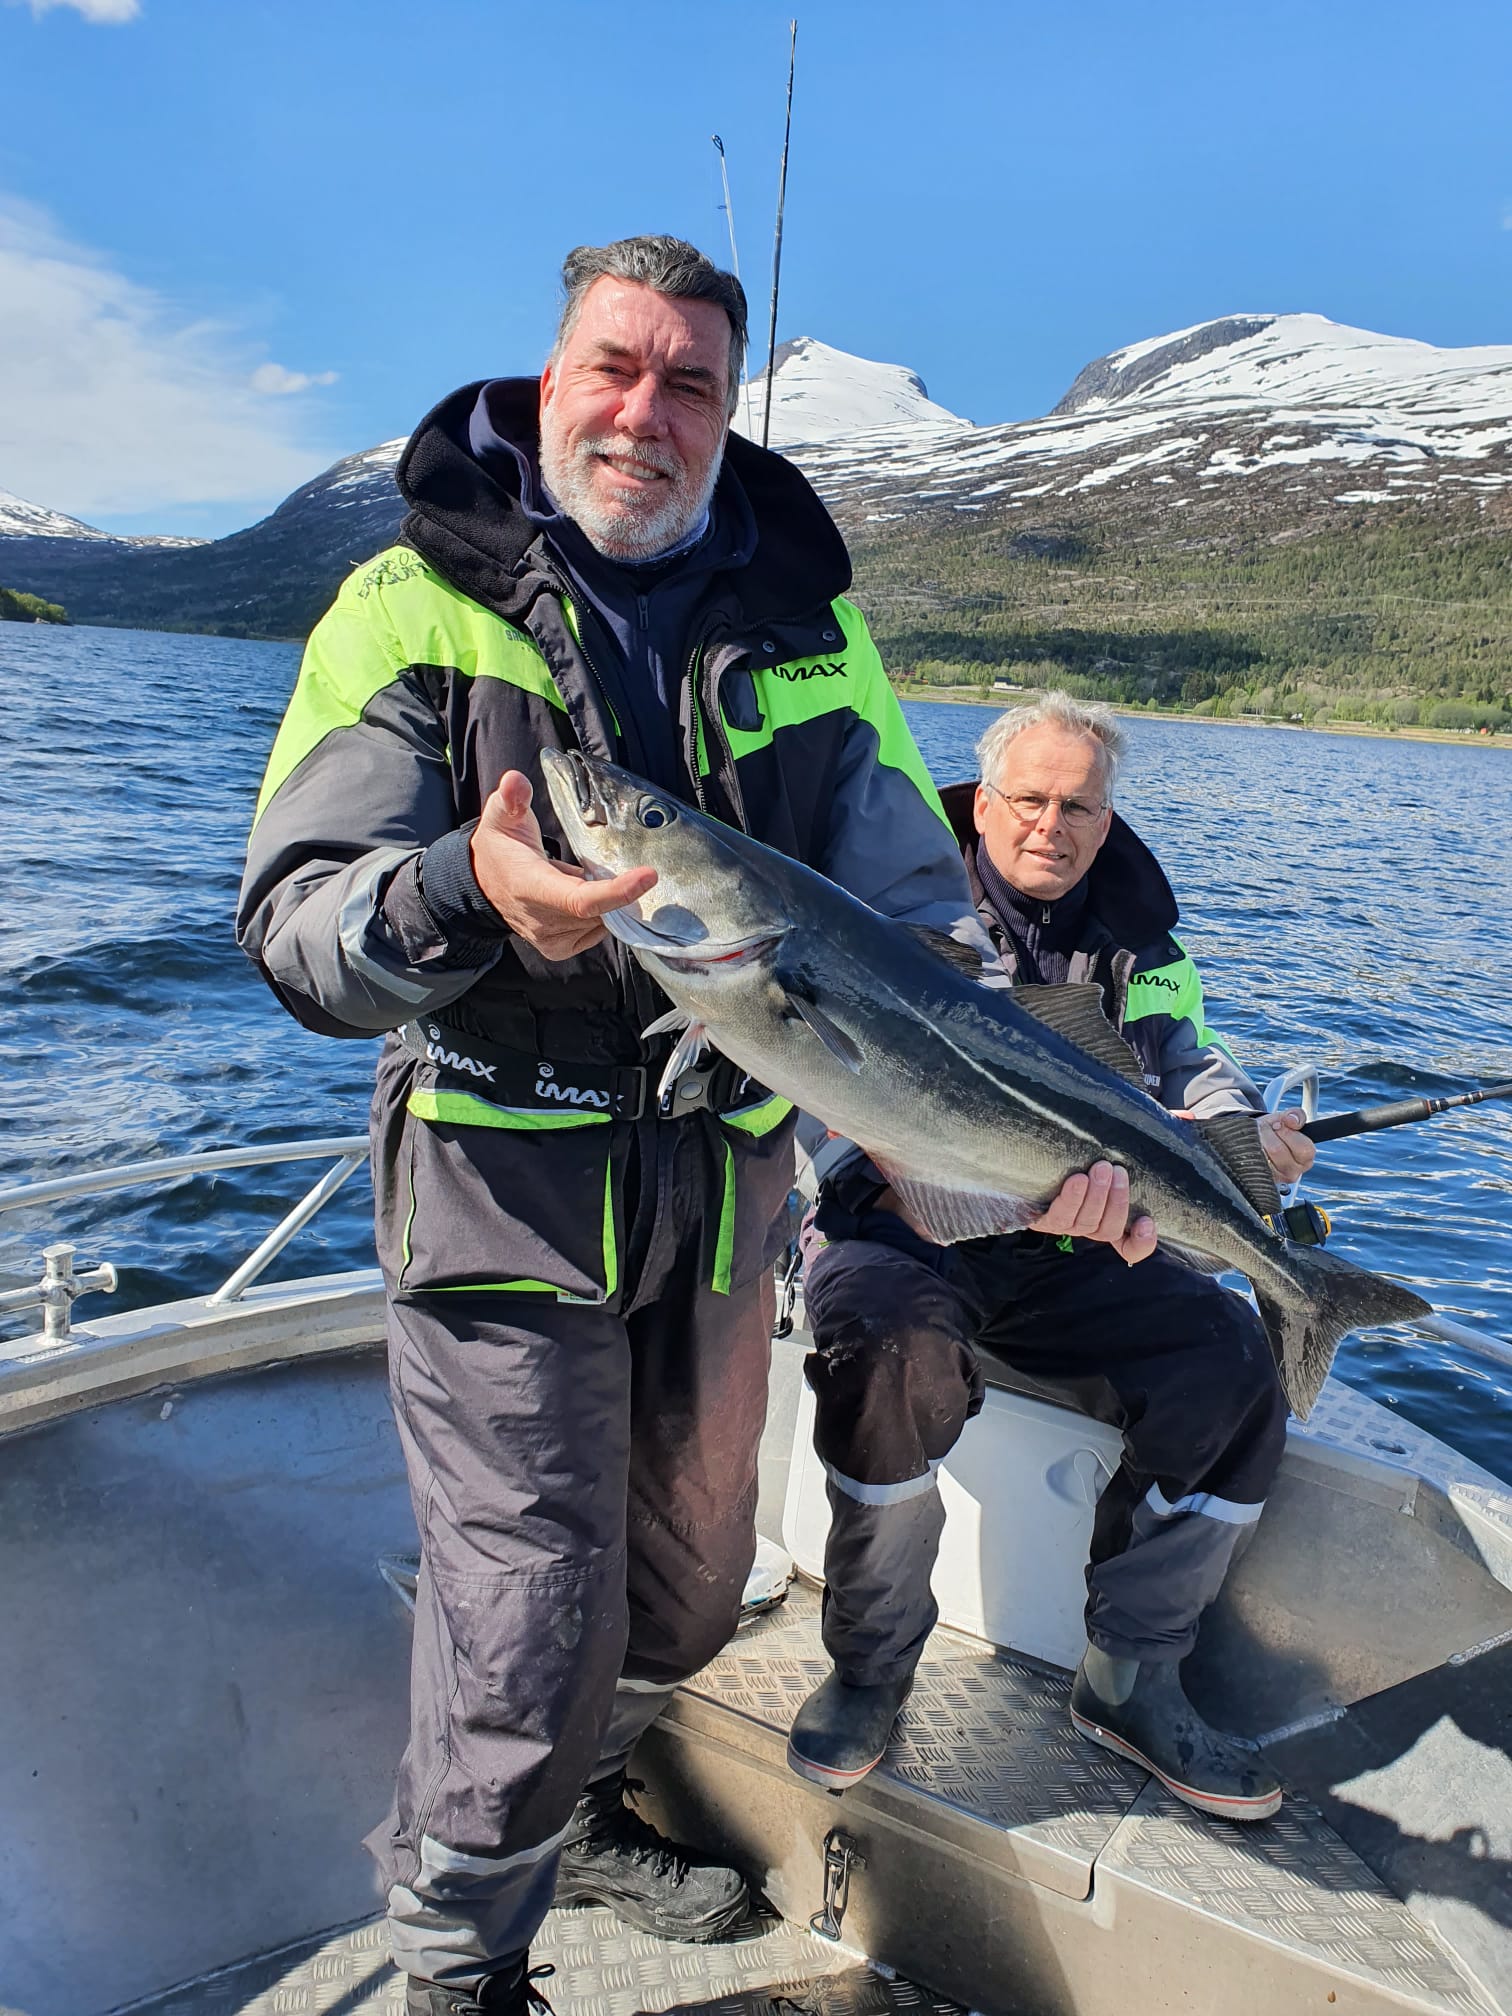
<point>758,1176</point>
<point>504,1201</point>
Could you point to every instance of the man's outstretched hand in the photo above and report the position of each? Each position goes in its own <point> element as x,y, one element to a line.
<point>551,905</point>
<point>1096,1206</point>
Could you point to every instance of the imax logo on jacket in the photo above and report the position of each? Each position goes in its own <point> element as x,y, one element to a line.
<point>825,670</point>
<point>568,1095</point>
<point>455,1061</point>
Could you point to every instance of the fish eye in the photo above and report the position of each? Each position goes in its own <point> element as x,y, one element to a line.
<point>651,812</point>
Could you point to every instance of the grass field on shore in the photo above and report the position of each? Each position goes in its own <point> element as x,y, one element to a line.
<point>975,696</point>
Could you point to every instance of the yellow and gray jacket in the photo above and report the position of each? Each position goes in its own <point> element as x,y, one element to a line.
<point>455,656</point>
<point>459,654</point>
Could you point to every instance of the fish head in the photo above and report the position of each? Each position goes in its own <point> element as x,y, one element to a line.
<point>713,910</point>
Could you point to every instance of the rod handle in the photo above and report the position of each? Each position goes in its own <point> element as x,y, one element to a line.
<point>1367,1120</point>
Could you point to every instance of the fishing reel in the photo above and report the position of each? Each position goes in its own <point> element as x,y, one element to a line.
<point>1303,1224</point>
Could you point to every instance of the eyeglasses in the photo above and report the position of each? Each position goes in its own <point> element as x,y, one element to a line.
<point>1029,807</point>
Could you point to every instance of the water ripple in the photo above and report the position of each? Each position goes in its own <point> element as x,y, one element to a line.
<point>1339,914</point>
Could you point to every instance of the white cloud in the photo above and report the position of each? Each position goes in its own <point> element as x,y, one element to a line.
<point>274,380</point>
<point>112,13</point>
<point>113,402</point>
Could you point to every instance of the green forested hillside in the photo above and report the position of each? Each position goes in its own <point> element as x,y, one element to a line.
<point>18,608</point>
<point>1391,613</point>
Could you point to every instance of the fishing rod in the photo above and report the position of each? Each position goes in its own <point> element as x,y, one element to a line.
<point>1370,1119</point>
<point>729,209</point>
<point>766,422</point>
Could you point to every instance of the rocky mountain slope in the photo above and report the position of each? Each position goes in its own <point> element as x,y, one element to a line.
<point>20,520</point>
<point>1259,490</point>
<point>1286,415</point>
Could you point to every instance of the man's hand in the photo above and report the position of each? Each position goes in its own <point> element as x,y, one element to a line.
<point>1289,1153</point>
<point>1096,1206</point>
<point>552,906</point>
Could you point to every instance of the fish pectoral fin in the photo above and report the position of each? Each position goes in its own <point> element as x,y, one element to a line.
<point>838,1044</point>
<point>946,1216</point>
<point>1075,1010</point>
<point>686,1052</point>
<point>1235,1139</point>
<point>671,1024</point>
<point>951,950</point>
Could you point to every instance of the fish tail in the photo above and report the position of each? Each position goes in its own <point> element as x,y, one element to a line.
<point>1331,1297</point>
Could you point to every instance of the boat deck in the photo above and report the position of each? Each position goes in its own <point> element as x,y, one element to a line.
<point>602,1969</point>
<point>1020,1823</point>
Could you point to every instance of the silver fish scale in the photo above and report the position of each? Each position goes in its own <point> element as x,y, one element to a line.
<point>602,1969</point>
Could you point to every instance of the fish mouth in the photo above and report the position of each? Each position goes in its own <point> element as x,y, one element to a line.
<point>727,955</point>
<point>566,769</point>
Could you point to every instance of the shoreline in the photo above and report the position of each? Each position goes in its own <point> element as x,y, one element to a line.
<point>973,696</point>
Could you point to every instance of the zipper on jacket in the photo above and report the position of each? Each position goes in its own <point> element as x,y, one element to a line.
<point>690,747</point>
<point>575,626</point>
<point>717,727</point>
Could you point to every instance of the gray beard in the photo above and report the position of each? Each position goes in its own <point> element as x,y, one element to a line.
<point>626,526</point>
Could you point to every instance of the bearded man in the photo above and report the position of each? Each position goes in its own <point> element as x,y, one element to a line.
<point>578,1263</point>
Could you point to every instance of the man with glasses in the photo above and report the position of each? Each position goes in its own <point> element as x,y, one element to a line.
<point>1082,1305</point>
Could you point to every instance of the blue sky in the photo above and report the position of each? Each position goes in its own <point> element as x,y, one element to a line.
<point>239,238</point>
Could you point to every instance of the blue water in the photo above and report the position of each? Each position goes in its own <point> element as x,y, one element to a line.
<point>1349,901</point>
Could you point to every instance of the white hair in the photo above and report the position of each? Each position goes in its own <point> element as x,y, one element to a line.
<point>1054,709</point>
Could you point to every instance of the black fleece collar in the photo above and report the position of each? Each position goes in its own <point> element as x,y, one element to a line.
<point>467,520</point>
<point>1127,890</point>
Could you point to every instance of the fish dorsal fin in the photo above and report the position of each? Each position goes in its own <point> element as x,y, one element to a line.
<point>838,1044</point>
<point>951,950</point>
<point>946,1216</point>
<point>1235,1139</point>
<point>1075,1011</point>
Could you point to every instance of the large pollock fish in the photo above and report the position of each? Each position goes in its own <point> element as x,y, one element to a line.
<point>976,1102</point>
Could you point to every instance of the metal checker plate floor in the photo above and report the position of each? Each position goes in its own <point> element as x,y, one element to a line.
<point>602,1969</point>
<point>983,1732</point>
<point>1345,1419</point>
<point>962,1739</point>
<point>1291,1880</point>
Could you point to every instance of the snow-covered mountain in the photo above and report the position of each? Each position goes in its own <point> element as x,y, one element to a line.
<point>822,394</point>
<point>1292,404</point>
<point>20,520</point>
<point>1279,421</point>
<point>1300,360</point>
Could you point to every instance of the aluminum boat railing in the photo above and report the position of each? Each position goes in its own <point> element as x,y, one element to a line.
<point>60,1285</point>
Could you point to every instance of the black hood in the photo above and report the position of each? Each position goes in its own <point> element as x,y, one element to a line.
<point>1127,888</point>
<point>468,521</point>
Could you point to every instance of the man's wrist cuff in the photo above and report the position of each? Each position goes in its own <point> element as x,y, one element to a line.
<point>451,892</point>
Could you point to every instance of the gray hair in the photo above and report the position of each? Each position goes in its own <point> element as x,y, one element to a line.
<point>670,266</point>
<point>1054,709</point>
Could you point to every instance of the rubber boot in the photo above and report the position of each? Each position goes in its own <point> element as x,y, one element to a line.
<point>614,1857</point>
<point>506,1994</point>
<point>1137,1708</point>
<point>841,1732</point>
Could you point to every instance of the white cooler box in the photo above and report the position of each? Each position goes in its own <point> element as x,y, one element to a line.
<point>1019,1490</point>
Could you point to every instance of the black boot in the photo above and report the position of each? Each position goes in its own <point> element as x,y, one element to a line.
<point>1137,1708</point>
<point>615,1857</point>
<point>505,1994</point>
<point>841,1731</point>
